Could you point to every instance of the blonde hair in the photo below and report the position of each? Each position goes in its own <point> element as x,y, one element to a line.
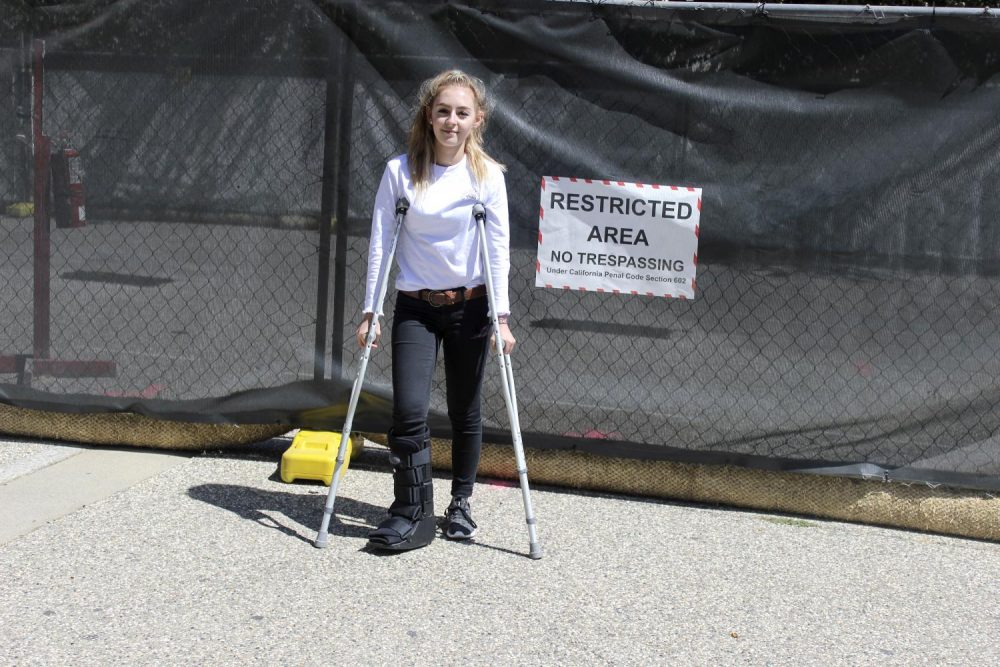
<point>420,145</point>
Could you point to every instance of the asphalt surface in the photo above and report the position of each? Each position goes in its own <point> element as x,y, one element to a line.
<point>206,558</point>
<point>777,356</point>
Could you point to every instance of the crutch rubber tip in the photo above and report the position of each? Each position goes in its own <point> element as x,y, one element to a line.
<point>322,540</point>
<point>535,551</point>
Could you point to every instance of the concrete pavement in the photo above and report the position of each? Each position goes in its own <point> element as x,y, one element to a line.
<point>206,558</point>
<point>69,479</point>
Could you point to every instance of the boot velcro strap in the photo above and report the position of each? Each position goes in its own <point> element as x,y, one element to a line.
<point>415,460</point>
<point>394,529</point>
<point>412,494</point>
<point>405,509</point>
<point>422,457</point>
<point>408,494</point>
<point>411,476</point>
<point>413,469</point>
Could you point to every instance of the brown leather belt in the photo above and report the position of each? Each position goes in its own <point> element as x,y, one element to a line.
<point>447,297</point>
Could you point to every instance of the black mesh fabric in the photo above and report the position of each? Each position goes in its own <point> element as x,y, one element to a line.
<point>846,312</point>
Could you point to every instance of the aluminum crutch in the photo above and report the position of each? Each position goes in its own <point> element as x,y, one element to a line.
<point>509,397</point>
<point>402,205</point>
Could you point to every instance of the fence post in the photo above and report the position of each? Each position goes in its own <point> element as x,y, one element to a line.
<point>40,142</point>
<point>325,211</point>
<point>345,77</point>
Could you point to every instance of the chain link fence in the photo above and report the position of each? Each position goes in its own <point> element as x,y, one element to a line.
<point>845,308</point>
<point>194,272</point>
<point>15,195</point>
<point>848,282</point>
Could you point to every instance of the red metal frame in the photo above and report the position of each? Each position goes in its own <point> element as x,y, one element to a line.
<point>42,364</point>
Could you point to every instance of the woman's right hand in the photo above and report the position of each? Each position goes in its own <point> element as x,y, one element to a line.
<point>362,332</point>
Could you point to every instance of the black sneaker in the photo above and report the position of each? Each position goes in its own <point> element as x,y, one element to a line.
<point>458,523</point>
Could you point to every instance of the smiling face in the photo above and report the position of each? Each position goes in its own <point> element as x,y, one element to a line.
<point>453,115</point>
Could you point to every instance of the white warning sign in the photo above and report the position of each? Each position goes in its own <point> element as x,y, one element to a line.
<point>624,238</point>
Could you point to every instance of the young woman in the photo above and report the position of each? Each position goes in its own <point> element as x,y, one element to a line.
<point>441,299</point>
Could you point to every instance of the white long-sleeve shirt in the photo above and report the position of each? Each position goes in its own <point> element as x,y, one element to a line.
<point>438,246</point>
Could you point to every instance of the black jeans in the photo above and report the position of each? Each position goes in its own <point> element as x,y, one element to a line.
<point>463,330</point>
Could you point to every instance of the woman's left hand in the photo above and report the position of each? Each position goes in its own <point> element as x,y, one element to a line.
<point>508,339</point>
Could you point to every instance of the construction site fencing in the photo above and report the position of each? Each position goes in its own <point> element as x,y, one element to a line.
<point>187,190</point>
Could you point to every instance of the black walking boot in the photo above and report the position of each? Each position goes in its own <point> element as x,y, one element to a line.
<point>411,523</point>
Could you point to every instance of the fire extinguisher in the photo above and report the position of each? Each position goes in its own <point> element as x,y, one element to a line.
<point>67,186</point>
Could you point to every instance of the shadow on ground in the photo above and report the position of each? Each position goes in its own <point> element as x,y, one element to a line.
<point>353,518</point>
